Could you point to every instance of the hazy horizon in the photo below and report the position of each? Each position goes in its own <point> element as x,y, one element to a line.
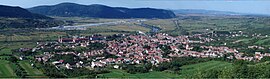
<point>241,6</point>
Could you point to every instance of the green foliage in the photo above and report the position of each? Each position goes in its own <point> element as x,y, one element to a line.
<point>80,49</point>
<point>108,55</point>
<point>265,59</point>
<point>197,48</point>
<point>133,69</point>
<point>68,58</point>
<point>176,63</point>
<point>96,46</point>
<point>166,49</point>
<point>77,72</point>
<point>51,71</point>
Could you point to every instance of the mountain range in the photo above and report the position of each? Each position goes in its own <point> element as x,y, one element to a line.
<point>100,11</point>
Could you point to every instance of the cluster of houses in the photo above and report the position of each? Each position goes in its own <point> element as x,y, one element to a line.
<point>76,39</point>
<point>138,49</point>
<point>257,57</point>
<point>210,51</point>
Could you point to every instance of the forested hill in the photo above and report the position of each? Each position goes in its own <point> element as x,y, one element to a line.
<point>18,12</point>
<point>17,17</point>
<point>100,11</point>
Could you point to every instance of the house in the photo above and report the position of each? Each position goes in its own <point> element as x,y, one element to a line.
<point>56,63</point>
<point>258,55</point>
<point>22,58</point>
<point>24,49</point>
<point>97,38</point>
<point>97,64</point>
<point>116,66</point>
<point>72,40</point>
<point>68,66</point>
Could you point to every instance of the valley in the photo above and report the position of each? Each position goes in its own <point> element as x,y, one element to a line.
<point>70,40</point>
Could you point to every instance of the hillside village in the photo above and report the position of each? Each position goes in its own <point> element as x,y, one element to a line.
<point>101,51</point>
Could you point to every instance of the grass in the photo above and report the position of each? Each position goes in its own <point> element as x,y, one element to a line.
<point>29,69</point>
<point>191,69</point>
<point>6,70</point>
<point>122,74</point>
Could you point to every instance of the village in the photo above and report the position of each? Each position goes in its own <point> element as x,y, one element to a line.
<point>133,49</point>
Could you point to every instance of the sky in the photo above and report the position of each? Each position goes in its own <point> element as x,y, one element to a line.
<point>242,6</point>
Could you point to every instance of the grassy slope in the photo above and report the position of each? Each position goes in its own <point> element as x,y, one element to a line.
<point>186,70</point>
<point>190,69</point>
<point>6,70</point>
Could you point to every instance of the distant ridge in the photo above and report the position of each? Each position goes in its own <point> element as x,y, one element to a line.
<point>18,12</point>
<point>100,11</point>
<point>215,13</point>
<point>206,12</point>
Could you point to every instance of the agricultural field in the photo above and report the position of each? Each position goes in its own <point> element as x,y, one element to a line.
<point>130,28</point>
<point>6,69</point>
<point>205,24</point>
<point>175,26</point>
<point>84,20</point>
<point>164,24</point>
<point>31,71</point>
<point>8,47</point>
<point>33,36</point>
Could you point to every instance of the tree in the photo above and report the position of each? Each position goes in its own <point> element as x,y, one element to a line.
<point>226,73</point>
<point>265,59</point>
<point>197,48</point>
<point>240,71</point>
